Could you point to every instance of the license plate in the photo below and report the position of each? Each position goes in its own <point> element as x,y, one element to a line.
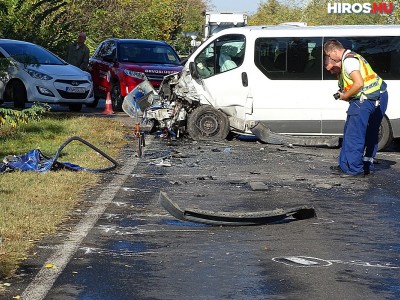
<point>72,89</point>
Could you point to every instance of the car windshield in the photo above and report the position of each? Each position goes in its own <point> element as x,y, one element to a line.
<point>31,54</point>
<point>147,53</point>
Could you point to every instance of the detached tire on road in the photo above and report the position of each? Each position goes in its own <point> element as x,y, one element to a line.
<point>385,134</point>
<point>116,98</point>
<point>207,123</point>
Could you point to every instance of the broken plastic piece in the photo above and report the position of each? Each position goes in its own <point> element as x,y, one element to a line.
<point>261,131</point>
<point>235,218</point>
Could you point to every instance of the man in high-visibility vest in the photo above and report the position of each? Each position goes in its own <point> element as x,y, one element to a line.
<point>368,98</point>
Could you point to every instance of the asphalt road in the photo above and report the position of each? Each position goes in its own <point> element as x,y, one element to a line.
<point>122,244</point>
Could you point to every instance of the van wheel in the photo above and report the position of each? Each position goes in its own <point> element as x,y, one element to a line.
<point>207,123</point>
<point>18,94</point>
<point>116,98</point>
<point>385,134</point>
<point>76,107</point>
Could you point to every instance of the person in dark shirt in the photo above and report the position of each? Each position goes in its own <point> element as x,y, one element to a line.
<point>78,53</point>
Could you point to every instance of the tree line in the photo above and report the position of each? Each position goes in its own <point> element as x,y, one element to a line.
<point>315,12</point>
<point>55,23</point>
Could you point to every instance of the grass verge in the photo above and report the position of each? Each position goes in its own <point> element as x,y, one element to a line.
<point>32,205</point>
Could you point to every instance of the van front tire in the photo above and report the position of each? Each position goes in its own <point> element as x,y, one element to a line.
<point>385,134</point>
<point>206,123</point>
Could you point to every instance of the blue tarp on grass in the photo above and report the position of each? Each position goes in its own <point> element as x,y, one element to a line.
<point>36,161</point>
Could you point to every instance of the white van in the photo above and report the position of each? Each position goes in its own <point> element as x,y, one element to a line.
<point>274,76</point>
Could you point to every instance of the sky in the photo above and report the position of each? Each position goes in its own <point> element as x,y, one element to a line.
<point>249,6</point>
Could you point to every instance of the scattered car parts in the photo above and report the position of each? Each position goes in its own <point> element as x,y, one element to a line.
<point>235,218</point>
<point>176,107</point>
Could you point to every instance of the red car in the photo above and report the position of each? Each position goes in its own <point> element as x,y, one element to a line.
<point>119,65</point>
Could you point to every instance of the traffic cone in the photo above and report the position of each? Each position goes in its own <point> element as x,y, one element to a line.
<point>108,108</point>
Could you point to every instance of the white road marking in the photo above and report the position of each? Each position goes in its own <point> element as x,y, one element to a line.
<point>308,261</point>
<point>44,280</point>
<point>122,253</point>
<point>140,230</point>
<point>323,221</point>
<point>102,251</point>
<point>302,261</point>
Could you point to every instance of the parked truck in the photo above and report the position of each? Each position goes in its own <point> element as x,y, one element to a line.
<point>217,21</point>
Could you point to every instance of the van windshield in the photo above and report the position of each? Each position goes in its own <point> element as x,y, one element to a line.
<point>147,53</point>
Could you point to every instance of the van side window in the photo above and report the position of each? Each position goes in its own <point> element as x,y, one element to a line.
<point>222,55</point>
<point>382,53</point>
<point>289,58</point>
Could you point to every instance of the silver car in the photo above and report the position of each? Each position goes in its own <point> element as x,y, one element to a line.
<point>30,73</point>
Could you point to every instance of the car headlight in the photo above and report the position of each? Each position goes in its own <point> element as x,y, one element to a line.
<point>135,74</point>
<point>38,75</point>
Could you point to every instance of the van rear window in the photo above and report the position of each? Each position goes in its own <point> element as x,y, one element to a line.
<point>302,58</point>
<point>289,58</point>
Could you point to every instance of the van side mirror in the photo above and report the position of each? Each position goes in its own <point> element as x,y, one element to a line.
<point>193,70</point>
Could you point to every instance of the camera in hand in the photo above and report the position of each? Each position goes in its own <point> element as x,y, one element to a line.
<point>336,96</point>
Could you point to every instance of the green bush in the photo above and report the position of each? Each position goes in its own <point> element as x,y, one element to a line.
<point>14,117</point>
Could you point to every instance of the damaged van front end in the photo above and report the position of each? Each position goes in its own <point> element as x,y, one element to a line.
<point>174,108</point>
<point>155,109</point>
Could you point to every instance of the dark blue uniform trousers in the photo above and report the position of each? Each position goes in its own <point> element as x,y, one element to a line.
<point>361,133</point>
<point>374,123</point>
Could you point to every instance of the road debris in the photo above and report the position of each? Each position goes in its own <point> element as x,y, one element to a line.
<point>235,218</point>
<point>258,186</point>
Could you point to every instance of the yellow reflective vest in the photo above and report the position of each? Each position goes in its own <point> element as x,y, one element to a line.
<point>372,82</point>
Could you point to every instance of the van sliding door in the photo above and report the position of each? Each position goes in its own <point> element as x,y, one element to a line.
<point>288,96</point>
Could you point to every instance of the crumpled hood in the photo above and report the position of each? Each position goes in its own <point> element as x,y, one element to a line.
<point>181,85</point>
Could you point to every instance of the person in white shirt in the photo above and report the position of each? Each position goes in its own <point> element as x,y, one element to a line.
<point>368,99</point>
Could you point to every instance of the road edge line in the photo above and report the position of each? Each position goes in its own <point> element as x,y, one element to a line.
<point>44,280</point>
